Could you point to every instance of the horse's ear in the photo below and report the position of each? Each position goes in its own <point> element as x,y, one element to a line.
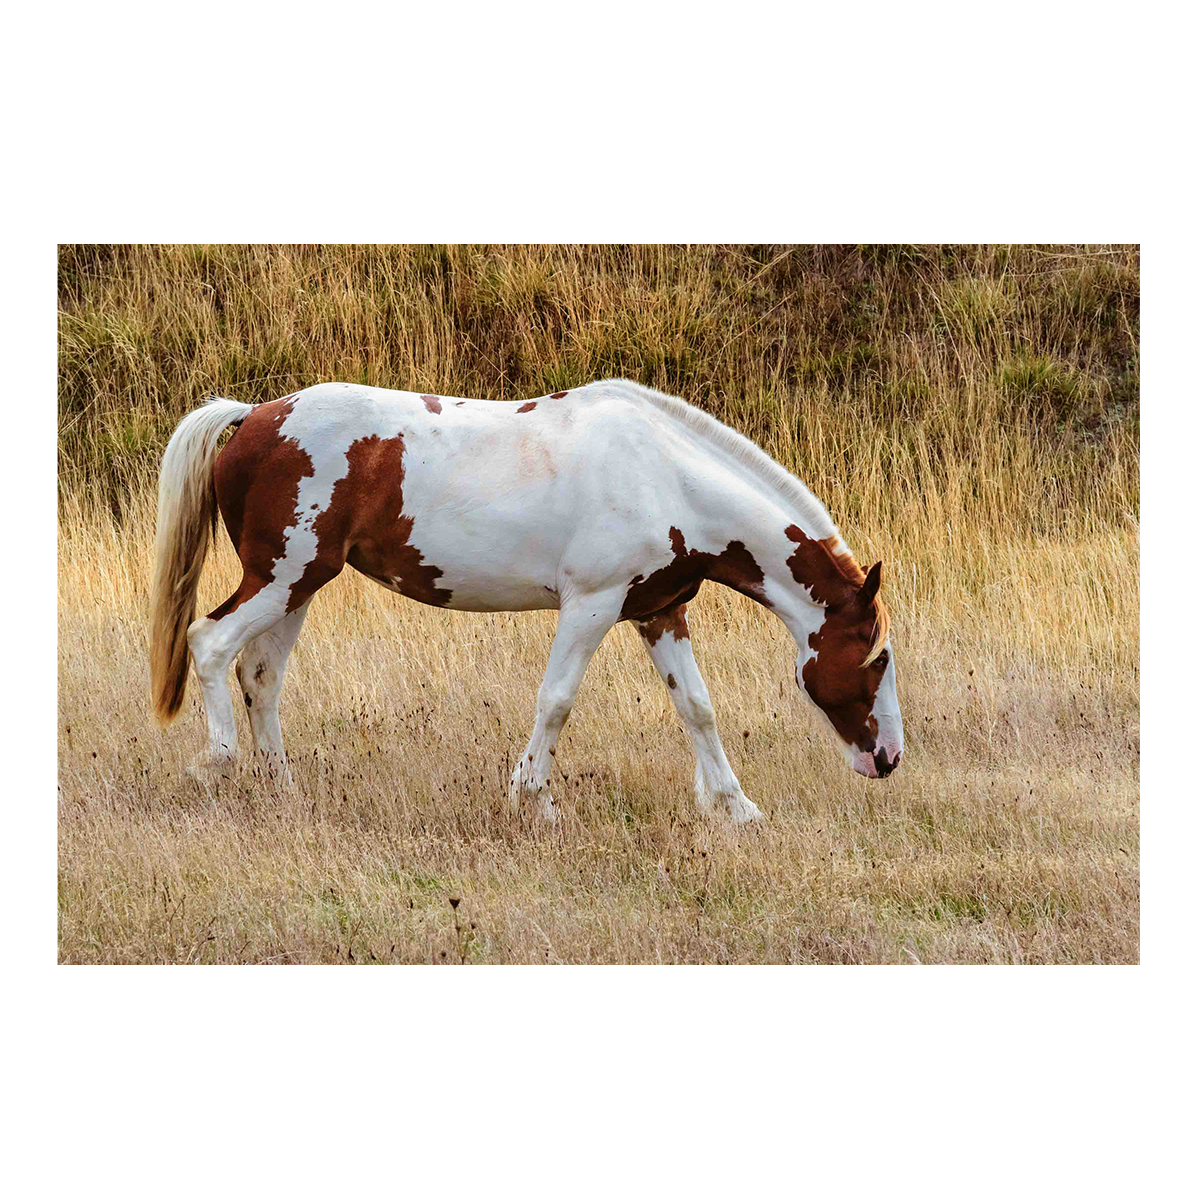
<point>870,586</point>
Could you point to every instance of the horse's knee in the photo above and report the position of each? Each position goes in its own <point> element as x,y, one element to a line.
<point>556,708</point>
<point>698,710</point>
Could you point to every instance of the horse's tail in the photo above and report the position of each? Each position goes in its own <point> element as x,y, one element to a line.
<point>187,511</point>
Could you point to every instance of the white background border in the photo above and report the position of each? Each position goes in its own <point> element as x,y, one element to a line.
<point>622,122</point>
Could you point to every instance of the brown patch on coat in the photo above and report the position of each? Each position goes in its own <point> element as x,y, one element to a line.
<point>679,581</point>
<point>433,403</point>
<point>831,576</point>
<point>257,479</point>
<point>460,403</point>
<point>363,526</point>
<point>670,681</point>
<point>528,407</point>
<point>672,621</point>
<point>558,395</point>
<point>837,680</point>
<point>834,578</point>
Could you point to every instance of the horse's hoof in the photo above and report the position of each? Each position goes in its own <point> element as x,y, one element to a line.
<point>276,771</point>
<point>537,801</point>
<point>743,811</point>
<point>208,767</point>
<point>524,791</point>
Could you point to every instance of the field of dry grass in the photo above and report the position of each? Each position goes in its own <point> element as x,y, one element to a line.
<point>968,414</point>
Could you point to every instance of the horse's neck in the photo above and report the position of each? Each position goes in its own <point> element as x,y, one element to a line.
<point>798,575</point>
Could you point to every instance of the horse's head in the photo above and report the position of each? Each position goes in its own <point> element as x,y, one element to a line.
<point>845,668</point>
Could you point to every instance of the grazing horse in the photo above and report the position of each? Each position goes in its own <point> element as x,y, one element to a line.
<point>610,502</point>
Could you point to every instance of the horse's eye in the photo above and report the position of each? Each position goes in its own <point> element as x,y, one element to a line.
<point>882,660</point>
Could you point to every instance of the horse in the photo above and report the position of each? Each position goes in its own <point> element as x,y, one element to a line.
<point>609,502</point>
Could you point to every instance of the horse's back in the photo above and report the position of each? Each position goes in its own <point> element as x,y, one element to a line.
<point>465,503</point>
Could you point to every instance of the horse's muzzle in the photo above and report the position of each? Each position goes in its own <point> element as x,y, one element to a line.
<point>876,763</point>
<point>884,765</point>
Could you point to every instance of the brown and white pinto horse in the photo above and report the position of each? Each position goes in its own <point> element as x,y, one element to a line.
<point>610,502</point>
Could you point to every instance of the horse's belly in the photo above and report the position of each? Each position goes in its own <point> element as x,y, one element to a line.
<point>451,568</point>
<point>502,595</point>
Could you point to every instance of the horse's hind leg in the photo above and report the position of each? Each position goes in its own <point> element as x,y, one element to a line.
<point>260,671</point>
<point>214,640</point>
<point>277,501</point>
<point>668,639</point>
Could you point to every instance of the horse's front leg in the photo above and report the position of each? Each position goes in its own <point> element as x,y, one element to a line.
<point>582,623</point>
<point>668,639</point>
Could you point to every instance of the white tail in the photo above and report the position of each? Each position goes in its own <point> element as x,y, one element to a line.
<point>187,511</point>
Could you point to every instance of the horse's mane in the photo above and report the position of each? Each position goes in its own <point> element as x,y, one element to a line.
<point>760,463</point>
<point>763,466</point>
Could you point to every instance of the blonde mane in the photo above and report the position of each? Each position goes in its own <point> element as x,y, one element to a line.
<point>764,467</point>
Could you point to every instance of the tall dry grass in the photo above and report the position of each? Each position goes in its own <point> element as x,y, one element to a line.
<point>968,414</point>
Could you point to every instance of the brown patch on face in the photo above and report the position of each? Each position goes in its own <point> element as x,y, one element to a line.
<point>363,526</point>
<point>679,581</point>
<point>460,404</point>
<point>672,621</point>
<point>671,681</point>
<point>558,395</point>
<point>528,407</point>
<point>257,479</point>
<point>433,403</point>
<point>836,679</point>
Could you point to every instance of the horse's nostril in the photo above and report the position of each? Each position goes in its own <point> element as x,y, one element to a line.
<point>882,766</point>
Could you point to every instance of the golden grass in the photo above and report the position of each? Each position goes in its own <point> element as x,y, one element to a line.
<point>985,452</point>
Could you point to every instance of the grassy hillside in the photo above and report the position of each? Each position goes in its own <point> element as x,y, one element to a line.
<point>968,414</point>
